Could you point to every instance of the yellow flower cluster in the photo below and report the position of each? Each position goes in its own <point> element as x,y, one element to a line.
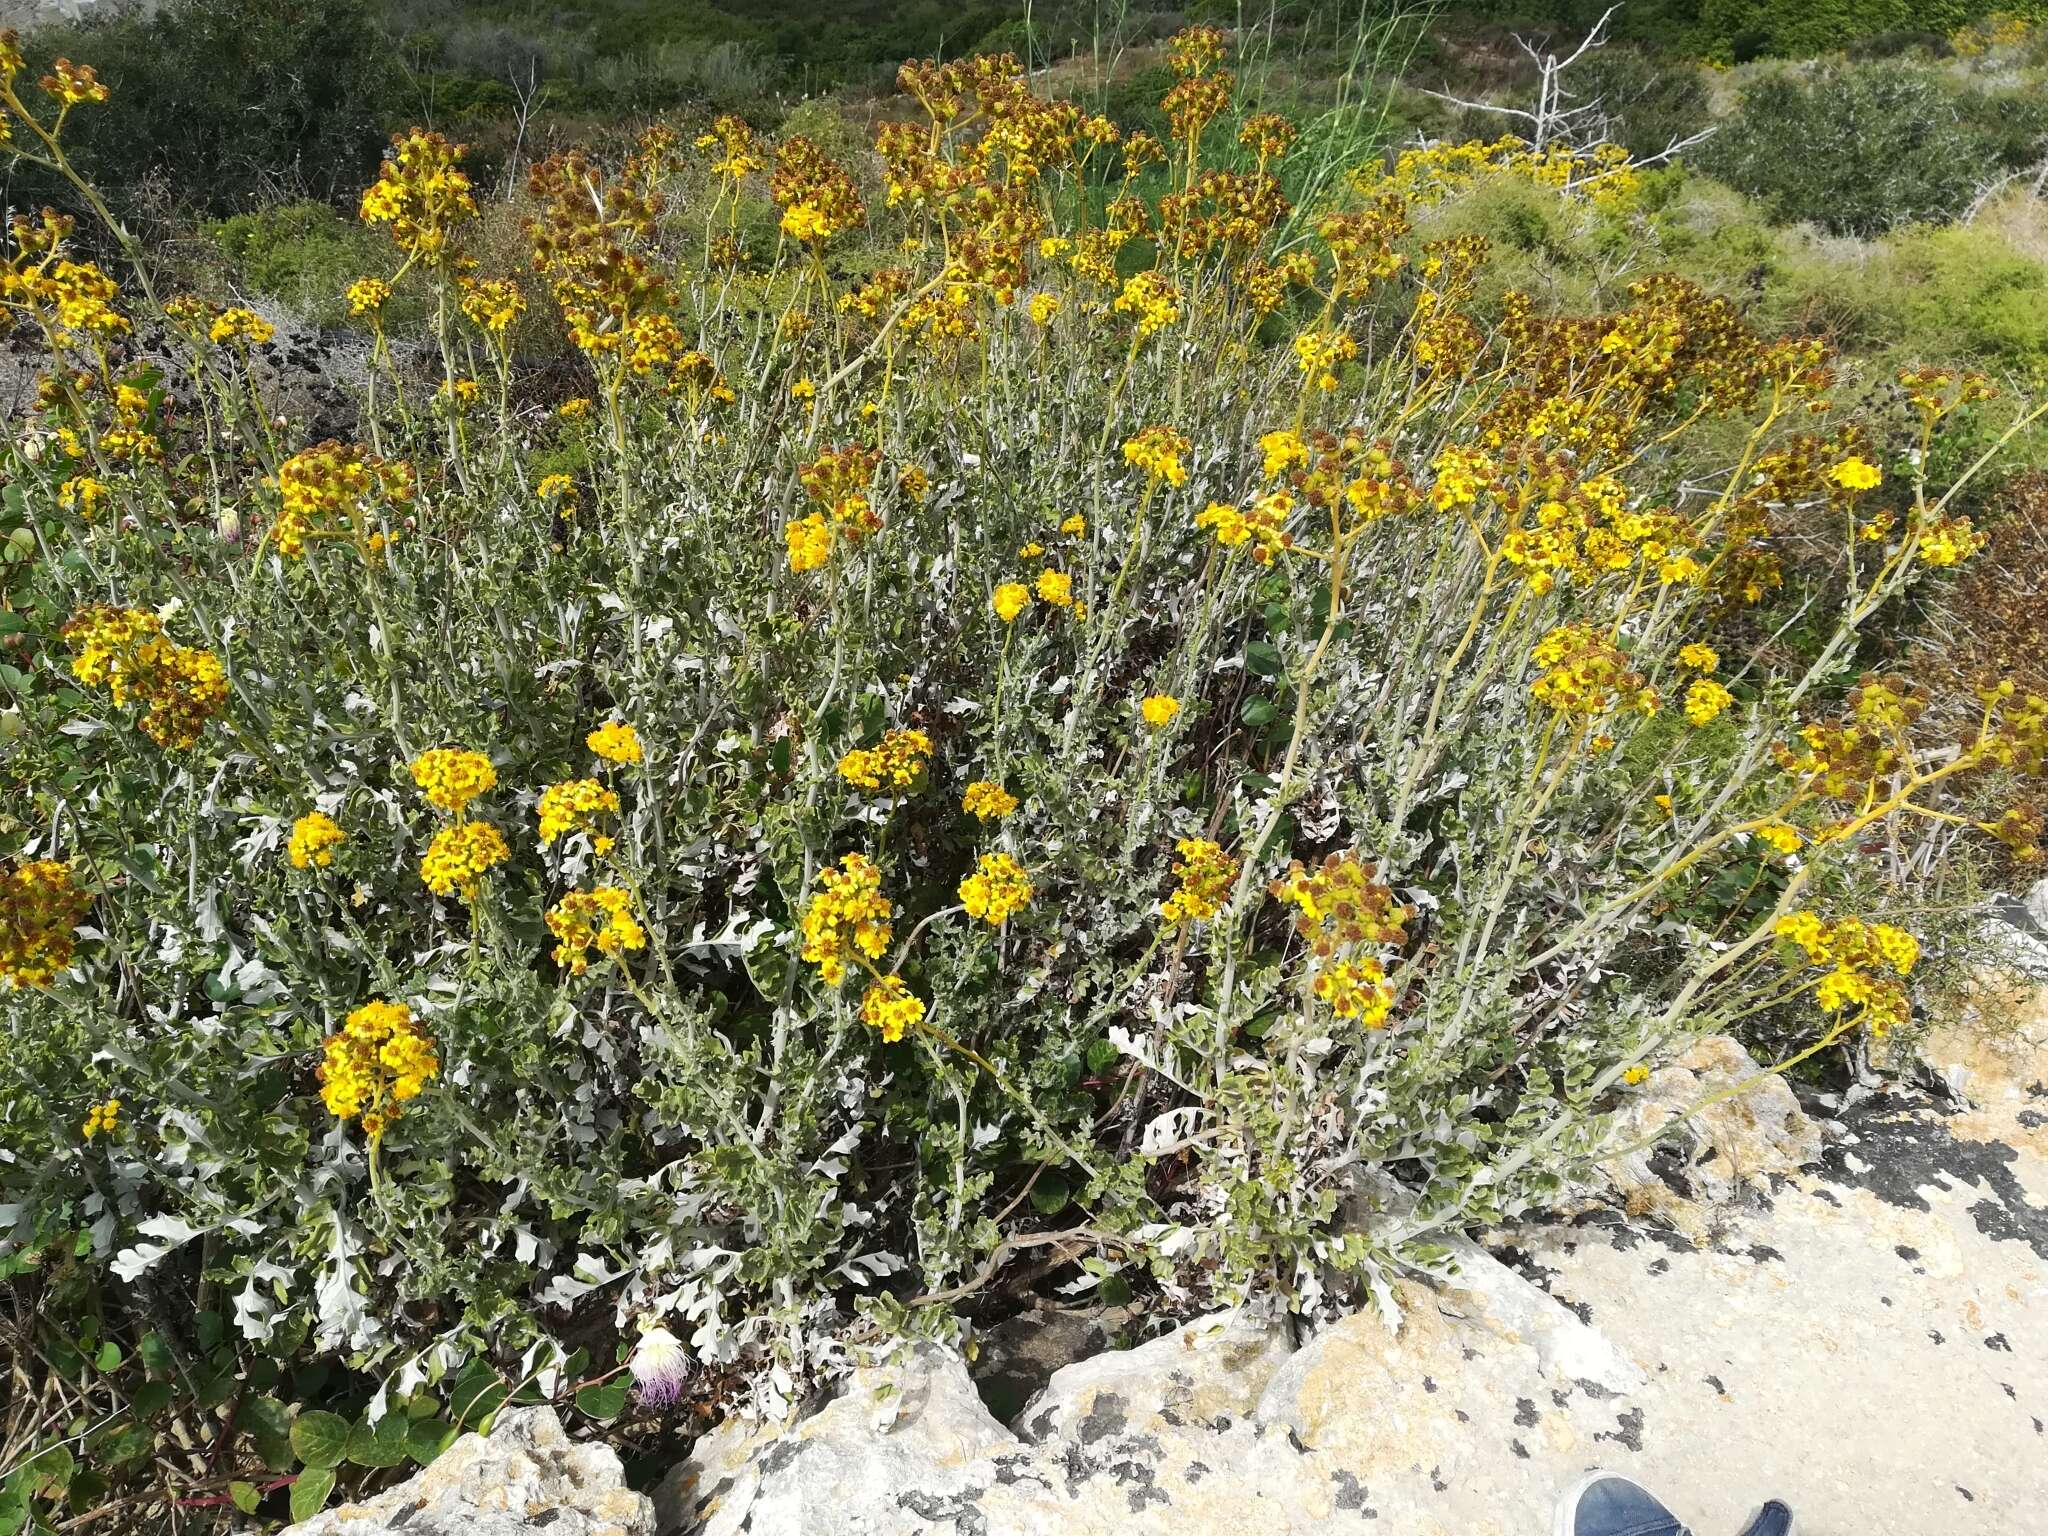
<point>460,856</point>
<point>1699,657</point>
<point>1262,527</point>
<point>1205,873</point>
<point>1357,989</point>
<point>849,915</point>
<point>997,888</point>
<point>1868,960</point>
<point>987,801</point>
<point>1321,353</point>
<point>40,905</point>
<point>1055,588</point>
<point>809,540</point>
<point>1009,600</point>
<point>493,305</point>
<point>574,806</point>
<point>451,777</point>
<point>244,327</point>
<point>332,489</point>
<point>1282,451</point>
<point>1153,300</point>
<point>1705,700</point>
<point>1159,452</point>
<point>601,919</point>
<point>895,763</point>
<point>181,687</point>
<point>1586,674</point>
<point>1602,175</point>
<point>314,838</point>
<point>1158,709</point>
<point>368,296</point>
<point>102,1119</point>
<point>423,196</point>
<point>1855,474</point>
<point>615,742</point>
<point>558,492</point>
<point>1341,902</point>
<point>889,1008</point>
<point>379,1060</point>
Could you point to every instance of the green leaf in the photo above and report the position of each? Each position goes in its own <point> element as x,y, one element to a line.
<point>87,1491</point>
<point>156,1354</point>
<point>1101,1057</point>
<point>1257,712</point>
<point>309,1493</point>
<point>151,1399</point>
<point>321,1439</point>
<point>1264,659</point>
<point>1114,1291</point>
<point>428,1438</point>
<point>245,1496</point>
<point>1052,1192</point>
<point>270,1431</point>
<point>378,1445</point>
<point>607,1401</point>
<point>110,1357</point>
<point>51,1468</point>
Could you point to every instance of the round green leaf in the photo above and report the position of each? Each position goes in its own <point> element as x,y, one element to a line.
<point>245,1496</point>
<point>321,1439</point>
<point>606,1401</point>
<point>309,1493</point>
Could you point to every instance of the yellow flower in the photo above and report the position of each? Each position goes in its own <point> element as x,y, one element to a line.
<point>460,856</point>
<point>1031,551</point>
<point>987,801</point>
<point>615,742</point>
<point>1056,588</point>
<point>368,295</point>
<point>1158,709</point>
<point>803,389</point>
<point>1043,307</point>
<point>1205,873</point>
<point>181,687</point>
<point>1705,700</point>
<point>809,540</point>
<point>1855,474</point>
<point>600,919</point>
<point>848,915</point>
<point>1636,1074</point>
<point>315,836</point>
<point>101,1119</point>
<point>1077,525</point>
<point>451,777</point>
<point>1282,451</point>
<point>379,1060</point>
<point>1010,599</point>
<point>1357,989</point>
<point>1779,837</point>
<point>889,1008</point>
<point>1158,452</point>
<point>1699,657</point>
<point>574,806</point>
<point>894,763</point>
<point>243,326</point>
<point>997,888</point>
<point>39,909</point>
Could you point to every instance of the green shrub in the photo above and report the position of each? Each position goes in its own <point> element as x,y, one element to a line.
<point>228,103</point>
<point>1097,784</point>
<point>304,254</point>
<point>1855,149</point>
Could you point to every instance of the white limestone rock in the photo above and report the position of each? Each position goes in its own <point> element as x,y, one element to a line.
<point>525,1477</point>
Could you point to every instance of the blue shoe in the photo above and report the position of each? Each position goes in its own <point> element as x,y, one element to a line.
<point>1774,1519</point>
<point>1604,1504</point>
